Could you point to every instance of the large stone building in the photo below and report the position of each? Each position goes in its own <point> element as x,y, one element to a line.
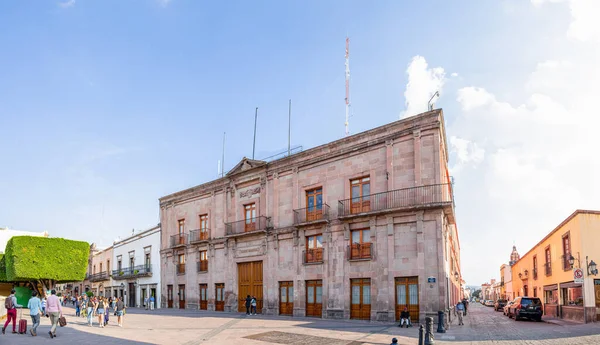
<point>357,228</point>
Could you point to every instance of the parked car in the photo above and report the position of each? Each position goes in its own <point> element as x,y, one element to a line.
<point>499,305</point>
<point>526,307</point>
<point>506,307</point>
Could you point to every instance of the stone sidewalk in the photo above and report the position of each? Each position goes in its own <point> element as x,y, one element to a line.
<point>188,327</point>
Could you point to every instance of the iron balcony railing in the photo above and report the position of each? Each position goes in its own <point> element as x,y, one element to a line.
<point>399,198</point>
<point>311,214</point>
<point>135,271</point>
<point>180,269</point>
<point>548,267</point>
<point>199,235</point>
<point>360,251</point>
<point>202,265</point>
<point>565,262</point>
<point>248,225</point>
<point>313,255</point>
<point>98,276</point>
<point>179,240</point>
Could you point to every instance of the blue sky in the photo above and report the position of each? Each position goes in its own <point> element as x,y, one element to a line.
<point>105,106</point>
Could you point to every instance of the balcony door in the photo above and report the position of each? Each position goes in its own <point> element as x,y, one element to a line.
<point>360,306</point>
<point>314,295</point>
<point>181,231</point>
<point>286,298</point>
<point>203,227</point>
<point>250,217</point>
<point>181,296</point>
<point>314,204</point>
<point>360,191</point>
<point>203,296</point>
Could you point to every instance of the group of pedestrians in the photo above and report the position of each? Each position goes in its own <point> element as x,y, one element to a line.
<point>461,309</point>
<point>52,309</point>
<point>88,307</point>
<point>250,305</point>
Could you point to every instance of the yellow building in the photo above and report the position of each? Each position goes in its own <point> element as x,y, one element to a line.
<point>547,270</point>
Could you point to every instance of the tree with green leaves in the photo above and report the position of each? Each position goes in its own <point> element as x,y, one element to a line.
<point>43,262</point>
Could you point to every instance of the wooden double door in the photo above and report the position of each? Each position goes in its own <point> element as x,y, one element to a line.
<point>250,282</point>
<point>360,299</point>
<point>407,296</point>
<point>220,297</point>
<point>203,296</point>
<point>286,298</point>
<point>314,295</point>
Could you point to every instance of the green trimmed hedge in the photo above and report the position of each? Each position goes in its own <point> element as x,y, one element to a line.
<point>2,269</point>
<point>29,258</point>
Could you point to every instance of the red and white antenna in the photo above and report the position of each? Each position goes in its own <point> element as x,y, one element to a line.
<point>347,83</point>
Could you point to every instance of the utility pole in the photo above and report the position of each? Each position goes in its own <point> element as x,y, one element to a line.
<point>290,128</point>
<point>254,141</point>
<point>347,63</point>
<point>223,158</point>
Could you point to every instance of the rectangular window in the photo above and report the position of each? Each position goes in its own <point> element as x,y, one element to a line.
<point>131,262</point>
<point>535,268</point>
<point>314,204</point>
<point>181,264</point>
<point>147,260</point>
<point>100,267</point>
<point>548,262</point>
<point>94,271</point>
<point>203,263</point>
<point>204,222</point>
<point>314,249</point>
<point>566,252</point>
<point>119,265</point>
<point>181,226</point>
<point>108,265</point>
<point>360,191</point>
<point>250,217</point>
<point>360,244</point>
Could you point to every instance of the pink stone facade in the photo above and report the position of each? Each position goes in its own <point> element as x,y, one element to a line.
<point>410,218</point>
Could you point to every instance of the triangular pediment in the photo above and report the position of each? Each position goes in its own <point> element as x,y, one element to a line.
<point>245,164</point>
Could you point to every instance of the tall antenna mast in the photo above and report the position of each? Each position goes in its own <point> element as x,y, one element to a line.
<point>347,83</point>
<point>223,157</point>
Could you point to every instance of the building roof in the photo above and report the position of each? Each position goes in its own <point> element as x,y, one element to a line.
<point>563,223</point>
<point>140,234</point>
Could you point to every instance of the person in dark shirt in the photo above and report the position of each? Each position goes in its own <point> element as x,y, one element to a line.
<point>404,318</point>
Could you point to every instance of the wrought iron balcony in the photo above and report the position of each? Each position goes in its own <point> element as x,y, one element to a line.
<point>311,214</point>
<point>135,271</point>
<point>414,197</point>
<point>360,251</point>
<point>313,256</point>
<point>202,265</point>
<point>199,235</point>
<point>261,223</point>
<point>179,240</point>
<point>180,269</point>
<point>98,276</point>
<point>548,267</point>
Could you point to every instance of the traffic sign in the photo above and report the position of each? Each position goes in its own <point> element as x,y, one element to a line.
<point>578,275</point>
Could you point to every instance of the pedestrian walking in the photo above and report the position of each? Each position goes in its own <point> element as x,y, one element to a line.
<point>91,307</point>
<point>44,301</point>
<point>10,304</point>
<point>120,311</point>
<point>146,303</point>
<point>77,307</point>
<point>54,309</point>
<point>253,303</point>
<point>466,304</point>
<point>152,302</point>
<point>35,311</point>
<point>460,307</point>
<point>100,311</point>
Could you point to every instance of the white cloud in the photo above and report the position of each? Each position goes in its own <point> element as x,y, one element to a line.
<point>467,153</point>
<point>454,75</point>
<point>584,26</point>
<point>423,82</point>
<point>67,4</point>
<point>164,3</point>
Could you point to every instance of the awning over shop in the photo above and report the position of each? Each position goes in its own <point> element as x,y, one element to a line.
<point>551,287</point>
<point>570,285</point>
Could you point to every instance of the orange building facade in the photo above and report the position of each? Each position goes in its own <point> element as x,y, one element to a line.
<point>547,270</point>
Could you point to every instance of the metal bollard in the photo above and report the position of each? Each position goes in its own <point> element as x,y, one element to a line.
<point>440,328</point>
<point>421,331</point>
<point>429,331</point>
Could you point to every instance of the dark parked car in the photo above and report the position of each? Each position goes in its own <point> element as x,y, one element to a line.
<point>499,305</point>
<point>526,307</point>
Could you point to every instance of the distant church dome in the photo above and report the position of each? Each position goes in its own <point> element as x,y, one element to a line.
<point>514,256</point>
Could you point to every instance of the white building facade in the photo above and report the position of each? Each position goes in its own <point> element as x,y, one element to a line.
<point>6,234</point>
<point>136,268</point>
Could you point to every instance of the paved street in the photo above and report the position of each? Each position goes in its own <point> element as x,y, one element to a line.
<point>482,326</point>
